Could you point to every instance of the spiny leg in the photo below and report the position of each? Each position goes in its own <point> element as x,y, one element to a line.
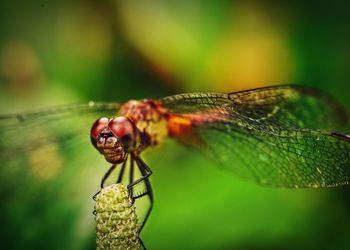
<point>146,172</point>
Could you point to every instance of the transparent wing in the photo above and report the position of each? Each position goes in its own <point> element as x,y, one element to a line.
<point>49,148</point>
<point>285,105</point>
<point>193,102</point>
<point>286,158</point>
<point>276,136</point>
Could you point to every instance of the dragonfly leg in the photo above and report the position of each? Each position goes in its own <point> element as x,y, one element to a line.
<point>142,245</point>
<point>131,177</point>
<point>150,195</point>
<point>94,198</point>
<point>146,172</point>
<point>121,173</point>
<point>110,170</point>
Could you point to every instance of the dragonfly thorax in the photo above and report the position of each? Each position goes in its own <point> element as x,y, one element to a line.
<point>149,117</point>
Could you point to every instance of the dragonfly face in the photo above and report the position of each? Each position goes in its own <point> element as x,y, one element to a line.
<point>115,137</point>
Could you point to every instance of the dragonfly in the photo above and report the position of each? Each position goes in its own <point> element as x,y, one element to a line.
<point>280,136</point>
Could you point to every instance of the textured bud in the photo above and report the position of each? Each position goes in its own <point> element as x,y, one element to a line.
<point>116,220</point>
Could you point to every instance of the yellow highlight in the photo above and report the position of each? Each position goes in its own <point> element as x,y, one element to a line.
<point>45,162</point>
<point>253,49</point>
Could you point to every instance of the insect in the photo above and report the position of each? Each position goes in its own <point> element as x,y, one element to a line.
<point>280,136</point>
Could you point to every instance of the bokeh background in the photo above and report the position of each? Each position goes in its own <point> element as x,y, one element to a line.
<point>59,52</point>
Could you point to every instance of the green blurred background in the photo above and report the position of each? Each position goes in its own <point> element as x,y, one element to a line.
<point>58,52</point>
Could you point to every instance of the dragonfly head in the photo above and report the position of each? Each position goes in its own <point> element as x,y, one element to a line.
<point>114,137</point>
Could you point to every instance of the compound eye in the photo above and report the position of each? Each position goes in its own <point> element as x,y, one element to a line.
<point>98,126</point>
<point>123,129</point>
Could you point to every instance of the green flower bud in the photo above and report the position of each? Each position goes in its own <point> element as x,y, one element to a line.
<point>116,220</point>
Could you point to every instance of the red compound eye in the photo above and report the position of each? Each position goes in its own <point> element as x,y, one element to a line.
<point>121,127</point>
<point>98,126</point>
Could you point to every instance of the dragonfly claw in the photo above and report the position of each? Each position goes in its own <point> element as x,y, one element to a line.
<point>94,197</point>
